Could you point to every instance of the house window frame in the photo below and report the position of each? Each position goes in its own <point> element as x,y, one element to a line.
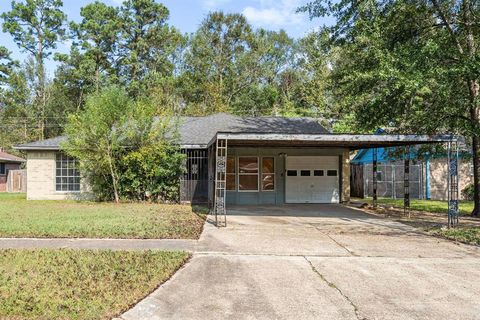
<point>273,174</point>
<point>248,174</point>
<point>61,176</point>
<point>4,171</point>
<point>235,174</point>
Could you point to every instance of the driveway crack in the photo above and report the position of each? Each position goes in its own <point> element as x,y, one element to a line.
<point>332,285</point>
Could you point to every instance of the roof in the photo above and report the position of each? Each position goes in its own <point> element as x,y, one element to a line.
<point>6,157</point>
<point>199,132</point>
<point>48,144</point>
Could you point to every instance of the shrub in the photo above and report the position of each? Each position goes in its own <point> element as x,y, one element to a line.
<point>468,192</point>
<point>152,173</point>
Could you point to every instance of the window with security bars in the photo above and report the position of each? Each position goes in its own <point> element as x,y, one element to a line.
<point>67,177</point>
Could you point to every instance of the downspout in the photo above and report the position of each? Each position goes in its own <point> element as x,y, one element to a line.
<point>427,177</point>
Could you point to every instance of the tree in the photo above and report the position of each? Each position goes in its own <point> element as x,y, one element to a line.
<point>148,45</point>
<point>115,131</point>
<point>218,63</point>
<point>6,65</point>
<point>96,42</point>
<point>36,27</point>
<point>412,65</point>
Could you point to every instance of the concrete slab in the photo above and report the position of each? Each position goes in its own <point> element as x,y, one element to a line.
<point>111,244</point>
<point>393,288</point>
<point>318,262</point>
<point>244,287</point>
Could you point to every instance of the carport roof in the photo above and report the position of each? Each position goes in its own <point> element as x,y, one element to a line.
<point>351,141</point>
<point>200,132</point>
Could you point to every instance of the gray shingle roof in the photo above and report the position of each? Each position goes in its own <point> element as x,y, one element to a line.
<point>48,144</point>
<point>200,130</point>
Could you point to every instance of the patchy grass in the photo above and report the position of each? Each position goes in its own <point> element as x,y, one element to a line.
<point>79,284</point>
<point>466,207</point>
<point>466,235</point>
<point>75,219</point>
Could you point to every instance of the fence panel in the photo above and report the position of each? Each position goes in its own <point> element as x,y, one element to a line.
<point>17,181</point>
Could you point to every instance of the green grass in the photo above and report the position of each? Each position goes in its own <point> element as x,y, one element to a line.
<point>466,207</point>
<point>465,235</point>
<point>72,219</point>
<point>84,284</point>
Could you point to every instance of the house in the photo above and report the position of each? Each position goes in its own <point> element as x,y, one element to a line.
<point>428,174</point>
<point>236,160</point>
<point>8,162</point>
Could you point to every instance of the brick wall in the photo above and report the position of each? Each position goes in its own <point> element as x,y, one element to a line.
<point>41,179</point>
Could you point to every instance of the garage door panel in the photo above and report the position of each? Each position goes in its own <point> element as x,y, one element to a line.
<point>310,188</point>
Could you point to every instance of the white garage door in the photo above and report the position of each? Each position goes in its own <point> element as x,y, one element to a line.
<point>312,179</point>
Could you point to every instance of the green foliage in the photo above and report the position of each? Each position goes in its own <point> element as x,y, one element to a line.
<point>468,192</point>
<point>469,235</point>
<point>152,173</point>
<point>112,132</point>
<point>36,25</point>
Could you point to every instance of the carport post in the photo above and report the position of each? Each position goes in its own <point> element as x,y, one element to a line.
<point>452,183</point>
<point>406,182</point>
<point>374,180</point>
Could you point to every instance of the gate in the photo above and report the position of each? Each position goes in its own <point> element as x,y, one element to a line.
<point>194,182</point>
<point>17,181</point>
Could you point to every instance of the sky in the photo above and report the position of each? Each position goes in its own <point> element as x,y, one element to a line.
<point>186,15</point>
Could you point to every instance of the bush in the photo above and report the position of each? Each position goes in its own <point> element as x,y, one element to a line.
<point>468,192</point>
<point>152,173</point>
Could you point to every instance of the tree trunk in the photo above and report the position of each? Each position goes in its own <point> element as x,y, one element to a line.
<point>114,178</point>
<point>476,175</point>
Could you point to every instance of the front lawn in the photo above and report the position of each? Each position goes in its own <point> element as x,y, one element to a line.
<point>466,235</point>
<point>74,219</point>
<point>437,206</point>
<point>83,284</point>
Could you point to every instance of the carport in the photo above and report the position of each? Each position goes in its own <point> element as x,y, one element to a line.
<point>315,148</point>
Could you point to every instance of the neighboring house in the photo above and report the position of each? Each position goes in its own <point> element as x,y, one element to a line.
<point>428,174</point>
<point>8,162</point>
<point>236,160</point>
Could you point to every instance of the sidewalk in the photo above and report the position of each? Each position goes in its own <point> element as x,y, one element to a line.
<point>112,244</point>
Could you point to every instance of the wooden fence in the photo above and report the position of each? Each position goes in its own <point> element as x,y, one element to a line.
<point>17,181</point>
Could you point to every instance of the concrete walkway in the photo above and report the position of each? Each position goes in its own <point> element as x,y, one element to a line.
<point>112,244</point>
<point>318,262</point>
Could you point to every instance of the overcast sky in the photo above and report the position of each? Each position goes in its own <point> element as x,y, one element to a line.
<point>186,15</point>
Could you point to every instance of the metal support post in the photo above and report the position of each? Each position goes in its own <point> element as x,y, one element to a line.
<point>220,183</point>
<point>452,183</point>
<point>374,180</point>
<point>406,182</point>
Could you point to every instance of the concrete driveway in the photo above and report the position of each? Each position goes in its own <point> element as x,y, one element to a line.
<point>318,262</point>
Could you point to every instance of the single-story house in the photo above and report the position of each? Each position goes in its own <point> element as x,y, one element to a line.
<point>428,174</point>
<point>8,162</point>
<point>237,160</point>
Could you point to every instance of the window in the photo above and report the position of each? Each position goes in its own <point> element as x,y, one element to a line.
<point>231,170</point>
<point>67,177</point>
<point>248,173</point>
<point>2,169</point>
<point>268,174</point>
<point>318,173</point>
<point>331,173</point>
<point>305,173</point>
<point>291,173</point>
